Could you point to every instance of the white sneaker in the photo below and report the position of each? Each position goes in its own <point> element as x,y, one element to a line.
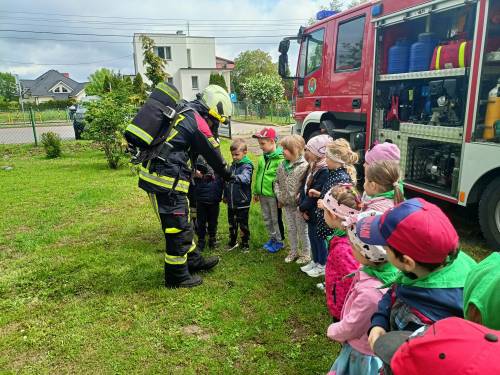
<point>317,271</point>
<point>303,259</point>
<point>290,257</point>
<point>320,286</point>
<point>309,266</point>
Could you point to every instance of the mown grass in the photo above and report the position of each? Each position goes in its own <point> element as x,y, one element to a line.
<point>81,284</point>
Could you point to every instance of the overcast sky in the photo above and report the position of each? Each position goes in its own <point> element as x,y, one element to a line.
<point>20,54</point>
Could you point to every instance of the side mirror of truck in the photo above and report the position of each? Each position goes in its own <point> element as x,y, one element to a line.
<point>284,46</point>
<point>283,65</point>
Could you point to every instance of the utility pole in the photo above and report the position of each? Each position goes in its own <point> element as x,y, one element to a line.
<point>188,27</point>
<point>20,92</point>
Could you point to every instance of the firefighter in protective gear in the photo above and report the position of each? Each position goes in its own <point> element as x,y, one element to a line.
<point>167,182</point>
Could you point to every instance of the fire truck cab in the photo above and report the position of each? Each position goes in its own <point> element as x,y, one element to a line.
<point>424,75</point>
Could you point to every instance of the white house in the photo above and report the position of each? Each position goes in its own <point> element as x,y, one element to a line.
<point>189,61</point>
<point>52,85</point>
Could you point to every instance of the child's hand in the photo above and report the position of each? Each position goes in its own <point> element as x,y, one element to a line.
<point>321,205</point>
<point>256,198</point>
<point>305,215</point>
<point>198,174</point>
<point>375,333</point>
<point>313,193</point>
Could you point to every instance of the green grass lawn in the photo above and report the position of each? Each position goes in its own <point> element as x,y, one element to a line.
<point>81,284</point>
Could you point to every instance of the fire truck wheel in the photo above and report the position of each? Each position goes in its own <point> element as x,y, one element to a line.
<point>489,214</point>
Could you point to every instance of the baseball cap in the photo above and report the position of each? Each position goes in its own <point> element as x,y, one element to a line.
<point>265,133</point>
<point>449,346</point>
<point>415,228</point>
<point>383,151</point>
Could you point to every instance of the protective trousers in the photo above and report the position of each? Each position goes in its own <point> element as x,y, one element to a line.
<point>180,248</point>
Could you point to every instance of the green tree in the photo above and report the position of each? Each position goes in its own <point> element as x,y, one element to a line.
<point>96,85</point>
<point>105,121</point>
<point>264,90</point>
<point>139,90</point>
<point>155,65</point>
<point>8,89</point>
<point>288,85</point>
<point>218,79</point>
<point>247,65</point>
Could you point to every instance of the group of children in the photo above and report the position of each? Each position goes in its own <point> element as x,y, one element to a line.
<point>390,264</point>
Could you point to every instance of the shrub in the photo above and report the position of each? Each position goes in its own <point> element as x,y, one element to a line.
<point>105,121</point>
<point>52,144</point>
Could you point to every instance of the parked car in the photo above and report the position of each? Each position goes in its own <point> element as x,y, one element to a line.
<point>79,115</point>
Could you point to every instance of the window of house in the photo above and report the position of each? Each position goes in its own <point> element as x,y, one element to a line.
<point>64,89</point>
<point>194,82</point>
<point>349,44</point>
<point>164,52</point>
<point>58,89</point>
<point>314,50</point>
<point>189,57</point>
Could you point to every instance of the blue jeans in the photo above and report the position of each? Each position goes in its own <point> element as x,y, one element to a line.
<point>319,253</point>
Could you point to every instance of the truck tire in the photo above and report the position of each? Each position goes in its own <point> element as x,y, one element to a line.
<point>489,214</point>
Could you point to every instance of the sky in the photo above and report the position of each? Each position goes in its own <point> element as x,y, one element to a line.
<point>27,51</point>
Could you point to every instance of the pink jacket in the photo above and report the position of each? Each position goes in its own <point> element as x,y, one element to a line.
<point>379,204</point>
<point>361,302</point>
<point>339,264</point>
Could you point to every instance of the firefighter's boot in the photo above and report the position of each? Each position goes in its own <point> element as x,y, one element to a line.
<point>178,276</point>
<point>198,263</point>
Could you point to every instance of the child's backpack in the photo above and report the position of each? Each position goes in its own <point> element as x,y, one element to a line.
<point>338,279</point>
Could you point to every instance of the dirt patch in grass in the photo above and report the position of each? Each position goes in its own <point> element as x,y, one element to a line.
<point>196,331</point>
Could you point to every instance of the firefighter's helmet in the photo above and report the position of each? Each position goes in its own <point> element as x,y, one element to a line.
<point>218,103</point>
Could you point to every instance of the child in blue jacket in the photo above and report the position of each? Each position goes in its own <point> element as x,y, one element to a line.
<point>238,195</point>
<point>208,188</point>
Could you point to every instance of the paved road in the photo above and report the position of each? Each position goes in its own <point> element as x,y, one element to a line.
<point>25,134</point>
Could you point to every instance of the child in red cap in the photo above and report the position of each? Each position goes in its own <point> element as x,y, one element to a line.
<point>421,242</point>
<point>450,346</point>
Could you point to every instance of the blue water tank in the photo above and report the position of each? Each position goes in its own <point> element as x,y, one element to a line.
<point>421,52</point>
<point>399,55</point>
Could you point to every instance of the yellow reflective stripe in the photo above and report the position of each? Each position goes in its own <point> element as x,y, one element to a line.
<point>172,135</point>
<point>438,56</point>
<point>163,181</point>
<point>140,133</point>
<point>461,55</point>
<point>213,142</point>
<point>172,230</point>
<point>181,117</point>
<point>167,90</point>
<point>174,259</point>
<point>191,249</point>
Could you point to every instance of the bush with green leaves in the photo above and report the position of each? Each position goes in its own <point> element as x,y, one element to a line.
<point>264,90</point>
<point>52,144</point>
<point>105,122</point>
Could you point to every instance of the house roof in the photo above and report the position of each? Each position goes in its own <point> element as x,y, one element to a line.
<point>41,85</point>
<point>223,59</point>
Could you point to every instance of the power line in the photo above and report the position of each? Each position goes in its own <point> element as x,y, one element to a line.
<point>146,18</point>
<point>70,64</point>
<point>118,42</point>
<point>173,30</point>
<point>130,36</point>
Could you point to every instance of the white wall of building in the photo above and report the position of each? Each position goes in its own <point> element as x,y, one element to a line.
<point>202,62</point>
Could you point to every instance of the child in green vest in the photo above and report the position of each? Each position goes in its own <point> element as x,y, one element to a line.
<point>263,191</point>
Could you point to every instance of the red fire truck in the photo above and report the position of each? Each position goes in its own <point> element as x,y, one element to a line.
<point>421,74</point>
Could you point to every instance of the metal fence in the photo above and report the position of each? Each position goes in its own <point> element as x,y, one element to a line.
<point>28,126</point>
<point>274,113</point>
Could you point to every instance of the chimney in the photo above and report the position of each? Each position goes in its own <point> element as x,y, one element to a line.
<point>180,32</point>
<point>66,75</point>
